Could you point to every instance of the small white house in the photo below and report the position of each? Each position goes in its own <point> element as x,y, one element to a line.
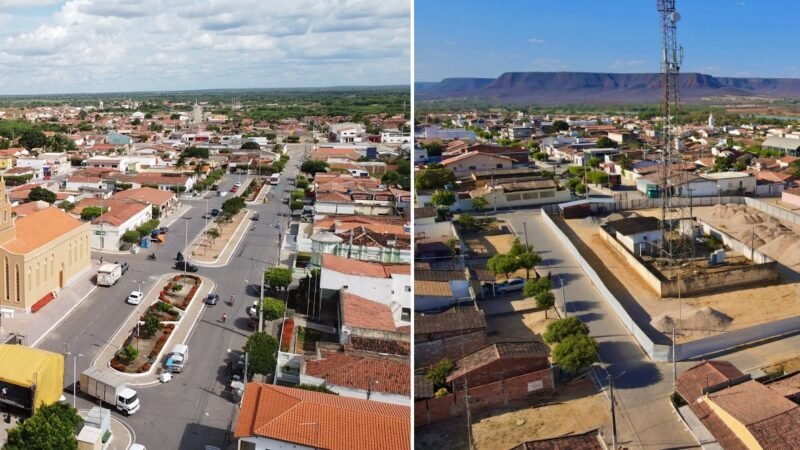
<point>637,234</point>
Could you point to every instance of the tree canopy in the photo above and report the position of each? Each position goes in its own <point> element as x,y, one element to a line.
<point>605,142</point>
<point>250,145</point>
<point>433,178</point>
<point>261,348</point>
<point>443,198</point>
<point>560,329</point>
<point>313,166</point>
<point>278,277</point>
<point>51,427</point>
<point>501,263</point>
<point>575,352</point>
<point>40,193</point>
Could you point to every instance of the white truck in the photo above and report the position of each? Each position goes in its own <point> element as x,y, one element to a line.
<point>177,358</point>
<point>109,274</point>
<point>109,388</point>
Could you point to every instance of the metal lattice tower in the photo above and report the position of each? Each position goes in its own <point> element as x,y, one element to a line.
<point>674,189</point>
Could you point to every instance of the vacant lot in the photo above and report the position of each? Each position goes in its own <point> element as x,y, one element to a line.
<point>519,327</point>
<point>737,309</point>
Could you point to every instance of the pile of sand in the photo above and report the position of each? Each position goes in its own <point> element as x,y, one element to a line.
<point>766,233</point>
<point>704,319</point>
<point>590,221</point>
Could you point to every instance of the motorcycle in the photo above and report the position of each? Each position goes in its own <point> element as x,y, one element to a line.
<point>151,256</point>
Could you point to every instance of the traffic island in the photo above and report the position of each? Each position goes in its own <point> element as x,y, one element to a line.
<point>215,248</point>
<point>254,189</point>
<point>166,317</point>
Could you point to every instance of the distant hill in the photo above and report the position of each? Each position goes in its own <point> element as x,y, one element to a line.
<point>602,88</point>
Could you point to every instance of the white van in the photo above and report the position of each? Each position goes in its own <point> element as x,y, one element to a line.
<point>177,358</point>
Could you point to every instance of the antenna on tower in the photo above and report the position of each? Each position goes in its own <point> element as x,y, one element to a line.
<point>673,248</point>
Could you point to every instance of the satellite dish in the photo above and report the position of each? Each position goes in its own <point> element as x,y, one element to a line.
<point>675,16</point>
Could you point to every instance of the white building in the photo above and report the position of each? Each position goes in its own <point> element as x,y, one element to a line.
<point>389,284</point>
<point>395,137</point>
<point>107,230</point>
<point>637,234</point>
<point>118,163</point>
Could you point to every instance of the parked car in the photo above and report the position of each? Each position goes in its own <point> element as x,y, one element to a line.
<point>206,216</point>
<point>255,216</point>
<point>212,299</point>
<point>234,189</point>
<point>185,265</point>
<point>164,229</point>
<point>512,285</point>
<point>215,212</point>
<point>135,297</point>
<point>238,184</point>
<point>124,266</point>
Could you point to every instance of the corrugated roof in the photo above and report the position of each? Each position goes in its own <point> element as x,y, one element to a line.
<point>25,366</point>
<point>446,322</point>
<point>432,288</point>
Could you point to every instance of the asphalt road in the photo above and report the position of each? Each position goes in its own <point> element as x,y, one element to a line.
<point>194,409</point>
<point>642,388</point>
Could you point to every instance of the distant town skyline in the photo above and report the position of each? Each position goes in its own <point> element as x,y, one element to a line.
<point>93,46</point>
<point>720,37</point>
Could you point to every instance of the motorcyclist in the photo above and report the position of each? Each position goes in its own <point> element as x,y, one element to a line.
<point>224,317</point>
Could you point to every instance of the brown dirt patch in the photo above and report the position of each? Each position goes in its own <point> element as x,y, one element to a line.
<point>567,413</point>
<point>519,327</point>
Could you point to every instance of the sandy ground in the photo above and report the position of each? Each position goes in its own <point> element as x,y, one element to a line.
<point>572,413</point>
<point>519,327</point>
<point>745,307</point>
<point>207,250</point>
<point>788,366</point>
<point>489,245</point>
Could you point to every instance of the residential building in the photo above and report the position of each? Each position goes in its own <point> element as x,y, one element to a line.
<point>451,334</point>
<point>121,216</point>
<point>162,200</point>
<point>277,417</point>
<point>498,361</point>
<point>395,137</point>
<point>525,193</point>
<point>117,163</point>
<point>637,234</point>
<point>389,284</point>
<point>466,163</point>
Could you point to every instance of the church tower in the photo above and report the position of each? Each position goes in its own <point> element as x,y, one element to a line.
<point>711,121</point>
<point>7,230</point>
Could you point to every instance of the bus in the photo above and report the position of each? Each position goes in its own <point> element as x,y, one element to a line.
<point>274,179</point>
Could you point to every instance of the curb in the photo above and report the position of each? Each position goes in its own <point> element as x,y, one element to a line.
<point>216,262</point>
<point>58,322</point>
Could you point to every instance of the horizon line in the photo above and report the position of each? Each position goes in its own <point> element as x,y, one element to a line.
<point>201,90</point>
<point>608,72</point>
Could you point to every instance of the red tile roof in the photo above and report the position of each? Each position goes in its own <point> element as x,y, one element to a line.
<point>322,420</point>
<point>751,402</point>
<point>363,268</point>
<point>358,312</point>
<point>149,195</point>
<point>39,228</point>
<point>359,372</point>
<point>705,374</point>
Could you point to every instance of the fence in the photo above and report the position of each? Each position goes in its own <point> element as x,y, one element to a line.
<point>657,352</point>
<point>774,211</point>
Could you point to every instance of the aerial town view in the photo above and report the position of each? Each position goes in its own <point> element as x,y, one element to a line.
<point>205,225</point>
<point>606,226</point>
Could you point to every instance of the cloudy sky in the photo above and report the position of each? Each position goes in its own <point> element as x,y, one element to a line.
<point>741,38</point>
<point>71,46</point>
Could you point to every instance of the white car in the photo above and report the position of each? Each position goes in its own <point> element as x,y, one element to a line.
<point>514,284</point>
<point>137,447</point>
<point>135,298</point>
<point>238,184</point>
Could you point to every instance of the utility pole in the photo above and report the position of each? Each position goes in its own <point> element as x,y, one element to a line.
<point>186,245</point>
<point>469,415</point>
<point>563,294</point>
<point>494,201</point>
<point>674,366</point>
<point>261,303</point>
<point>613,415</point>
<point>525,227</point>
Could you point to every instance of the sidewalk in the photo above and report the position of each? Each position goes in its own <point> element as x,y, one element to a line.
<point>33,327</point>
<point>179,336</point>
<point>227,252</point>
<point>168,219</point>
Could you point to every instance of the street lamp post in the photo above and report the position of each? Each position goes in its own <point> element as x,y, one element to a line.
<point>563,294</point>
<point>186,244</point>
<point>75,357</point>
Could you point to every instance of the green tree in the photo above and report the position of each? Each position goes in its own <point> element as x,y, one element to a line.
<point>545,300</point>
<point>434,148</point>
<point>261,349</point>
<point>278,277</point>
<point>233,205</point>
<point>295,205</point>
<point>311,387</point>
<point>195,152</point>
<point>540,156</point>
<point>131,237</point>
<point>518,248</point>
<point>594,162</point>
<point>560,125</point>
<point>213,233</point>
<point>272,308</point>
<point>605,142</point>
<point>560,329</point>
<point>293,139</point>
<point>393,178</point>
<point>92,212</point>
<point>598,177</point>
<point>467,221</point>
<point>151,325</point>
<point>52,427</point>
<point>501,263</point>
<point>31,139</point>
<point>528,260</point>
<point>129,353</point>
<point>301,183</point>
<point>155,212</point>
<point>313,166</point>
<point>433,178</point>
<point>625,162</point>
<point>39,193</point>
<point>480,203</point>
<point>533,287</point>
<point>443,198</point>
<point>575,352</point>
<point>437,374</point>
<point>580,189</point>
<point>250,145</point>
<point>136,122</point>
<point>67,206</point>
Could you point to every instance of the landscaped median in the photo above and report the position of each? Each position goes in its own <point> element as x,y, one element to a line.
<point>165,318</point>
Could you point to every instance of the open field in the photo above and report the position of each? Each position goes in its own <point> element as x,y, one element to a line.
<point>697,316</point>
<point>520,326</point>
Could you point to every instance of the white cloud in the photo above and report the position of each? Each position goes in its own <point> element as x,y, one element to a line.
<point>536,41</point>
<point>548,65</point>
<point>118,45</point>
<point>17,4</point>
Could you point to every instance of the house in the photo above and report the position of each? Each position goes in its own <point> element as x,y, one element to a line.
<point>636,234</point>
<point>434,295</point>
<point>524,193</point>
<point>371,377</point>
<point>732,183</point>
<point>786,145</point>
<point>519,155</point>
<point>46,164</point>
<point>365,325</point>
<point>162,200</point>
<point>164,181</point>
<point>498,361</point>
<point>41,254</point>
<point>389,284</point>
<point>121,215</point>
<point>740,413</point>
<point>277,417</point>
<point>451,335</point>
<point>117,163</point>
<point>459,280</point>
<point>425,215</point>
<point>466,163</point>
<point>395,137</point>
<point>367,238</point>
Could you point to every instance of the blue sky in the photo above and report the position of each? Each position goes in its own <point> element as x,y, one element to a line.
<point>66,46</point>
<point>485,39</point>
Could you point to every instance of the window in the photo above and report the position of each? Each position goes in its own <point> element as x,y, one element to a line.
<point>472,167</point>
<point>407,288</point>
<point>499,166</point>
<point>513,197</point>
<point>17,278</point>
<point>405,315</point>
<point>8,277</point>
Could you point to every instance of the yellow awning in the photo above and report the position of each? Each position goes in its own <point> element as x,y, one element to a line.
<point>26,367</point>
